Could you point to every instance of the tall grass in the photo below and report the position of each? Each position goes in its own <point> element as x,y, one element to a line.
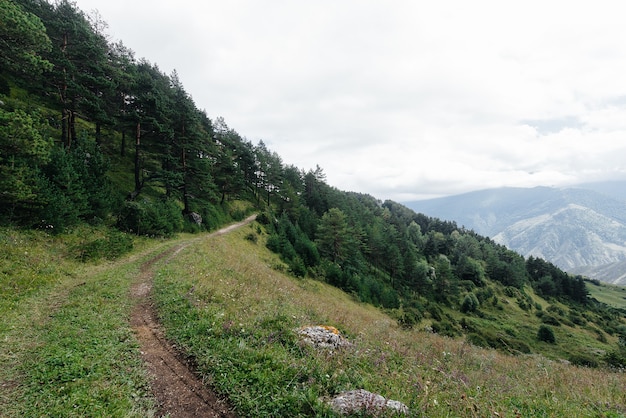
<point>225,303</point>
<point>28,260</point>
<point>31,259</point>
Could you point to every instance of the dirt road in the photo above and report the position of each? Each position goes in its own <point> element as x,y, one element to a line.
<point>178,390</point>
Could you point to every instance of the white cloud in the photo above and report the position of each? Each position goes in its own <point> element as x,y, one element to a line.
<point>402,99</point>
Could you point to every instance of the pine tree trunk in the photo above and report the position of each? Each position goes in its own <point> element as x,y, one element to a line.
<point>98,134</point>
<point>186,209</point>
<point>72,126</point>
<point>65,117</point>
<point>123,144</point>
<point>64,124</point>
<point>137,161</point>
<point>123,118</point>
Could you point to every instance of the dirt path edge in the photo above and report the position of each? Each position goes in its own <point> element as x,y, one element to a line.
<point>178,390</point>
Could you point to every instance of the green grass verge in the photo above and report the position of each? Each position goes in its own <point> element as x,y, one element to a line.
<point>85,360</point>
<point>67,346</point>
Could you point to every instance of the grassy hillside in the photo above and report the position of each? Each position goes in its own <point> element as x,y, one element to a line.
<point>68,349</point>
<point>607,293</point>
<point>227,304</point>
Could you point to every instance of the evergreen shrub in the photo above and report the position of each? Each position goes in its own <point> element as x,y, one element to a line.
<point>585,360</point>
<point>470,303</point>
<point>114,245</point>
<point>616,359</point>
<point>446,328</point>
<point>550,320</point>
<point>159,218</point>
<point>407,317</point>
<point>546,334</point>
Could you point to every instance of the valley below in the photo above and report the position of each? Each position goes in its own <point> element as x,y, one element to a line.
<point>580,229</point>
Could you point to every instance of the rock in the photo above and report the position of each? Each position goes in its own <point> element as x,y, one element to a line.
<point>195,218</point>
<point>362,401</point>
<point>323,336</point>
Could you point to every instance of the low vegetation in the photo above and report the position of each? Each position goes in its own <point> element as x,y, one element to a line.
<point>67,347</point>
<point>237,314</point>
<point>611,295</point>
<point>229,304</point>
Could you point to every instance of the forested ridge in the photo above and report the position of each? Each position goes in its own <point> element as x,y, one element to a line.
<point>91,134</point>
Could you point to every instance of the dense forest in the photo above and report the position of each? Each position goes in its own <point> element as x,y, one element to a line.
<point>91,134</point>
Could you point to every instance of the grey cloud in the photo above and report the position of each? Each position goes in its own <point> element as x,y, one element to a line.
<point>554,125</point>
<point>401,98</point>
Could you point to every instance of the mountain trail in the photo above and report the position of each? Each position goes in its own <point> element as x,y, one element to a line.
<point>178,390</point>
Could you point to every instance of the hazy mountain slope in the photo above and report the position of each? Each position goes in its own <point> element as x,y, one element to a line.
<point>488,212</point>
<point>577,229</point>
<point>615,189</point>
<point>571,236</point>
<point>614,273</point>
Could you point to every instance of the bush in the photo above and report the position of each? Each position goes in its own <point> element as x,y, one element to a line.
<point>114,245</point>
<point>477,340</point>
<point>93,250</point>
<point>557,310</point>
<point>468,285</point>
<point>470,303</point>
<point>213,217</point>
<point>616,358</point>
<point>190,225</point>
<point>263,218</point>
<point>273,243</point>
<point>446,328</point>
<point>118,244</point>
<point>485,294</point>
<point>523,304</point>
<point>511,292</point>
<point>585,360</point>
<point>252,237</point>
<point>297,267</point>
<point>407,317</point>
<point>333,274</point>
<point>546,334</point>
<point>550,320</point>
<point>577,318</point>
<point>435,311</point>
<point>160,218</point>
<point>307,250</point>
<point>73,186</point>
<point>238,215</point>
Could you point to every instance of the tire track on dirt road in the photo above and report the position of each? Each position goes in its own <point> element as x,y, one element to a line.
<point>178,390</point>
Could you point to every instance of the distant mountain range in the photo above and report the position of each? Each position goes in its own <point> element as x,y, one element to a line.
<point>581,229</point>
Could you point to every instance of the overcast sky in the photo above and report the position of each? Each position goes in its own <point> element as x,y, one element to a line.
<point>402,99</point>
